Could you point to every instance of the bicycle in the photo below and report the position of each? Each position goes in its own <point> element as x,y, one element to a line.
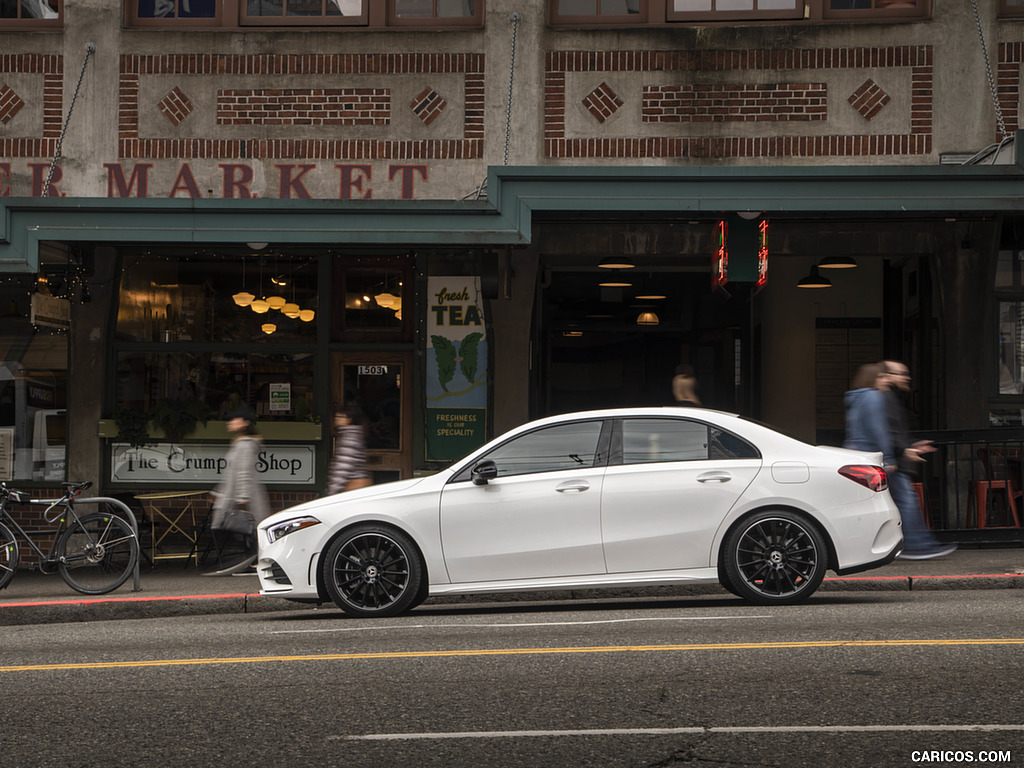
<point>94,553</point>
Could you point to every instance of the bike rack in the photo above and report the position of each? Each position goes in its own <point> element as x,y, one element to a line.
<point>129,515</point>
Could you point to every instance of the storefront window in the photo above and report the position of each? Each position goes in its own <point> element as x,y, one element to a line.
<point>237,299</point>
<point>1011,348</point>
<point>278,387</point>
<point>375,294</point>
<point>33,386</point>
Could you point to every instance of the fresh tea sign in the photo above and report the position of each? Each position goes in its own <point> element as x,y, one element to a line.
<point>456,368</point>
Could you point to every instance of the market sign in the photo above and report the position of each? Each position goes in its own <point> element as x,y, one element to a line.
<point>169,464</point>
<point>456,368</point>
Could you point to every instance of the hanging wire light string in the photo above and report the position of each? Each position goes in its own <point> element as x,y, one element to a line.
<point>988,71</point>
<point>90,49</point>
<point>515,18</point>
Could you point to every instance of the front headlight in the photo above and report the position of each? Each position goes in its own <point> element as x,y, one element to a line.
<point>280,530</point>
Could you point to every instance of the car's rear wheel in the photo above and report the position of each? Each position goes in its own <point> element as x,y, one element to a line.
<point>776,557</point>
<point>373,570</point>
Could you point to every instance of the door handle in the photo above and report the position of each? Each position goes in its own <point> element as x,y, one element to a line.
<point>717,476</point>
<point>572,485</point>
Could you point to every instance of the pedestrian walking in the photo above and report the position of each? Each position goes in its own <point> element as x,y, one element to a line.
<point>918,541</point>
<point>684,386</point>
<point>240,501</point>
<point>347,470</point>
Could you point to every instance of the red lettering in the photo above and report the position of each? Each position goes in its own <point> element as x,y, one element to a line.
<point>39,173</point>
<point>139,180</point>
<point>408,180</point>
<point>289,184</point>
<point>350,182</point>
<point>5,170</point>
<point>237,178</point>
<point>185,182</point>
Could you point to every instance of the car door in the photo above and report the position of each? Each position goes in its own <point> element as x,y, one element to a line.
<point>539,517</point>
<point>669,485</point>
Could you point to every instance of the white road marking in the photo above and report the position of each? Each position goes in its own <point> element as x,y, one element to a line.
<point>511,625</point>
<point>782,729</point>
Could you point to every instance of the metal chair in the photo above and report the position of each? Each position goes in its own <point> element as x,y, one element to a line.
<point>1002,475</point>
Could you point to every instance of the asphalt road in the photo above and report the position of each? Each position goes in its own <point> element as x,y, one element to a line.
<point>850,679</point>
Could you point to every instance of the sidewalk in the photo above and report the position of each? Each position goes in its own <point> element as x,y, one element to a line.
<point>175,590</point>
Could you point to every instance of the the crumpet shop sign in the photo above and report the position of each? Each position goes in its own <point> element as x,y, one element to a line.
<point>168,464</point>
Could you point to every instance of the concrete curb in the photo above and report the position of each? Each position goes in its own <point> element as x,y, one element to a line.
<point>169,606</point>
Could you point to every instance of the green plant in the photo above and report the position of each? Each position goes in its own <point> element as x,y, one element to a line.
<point>132,426</point>
<point>178,418</point>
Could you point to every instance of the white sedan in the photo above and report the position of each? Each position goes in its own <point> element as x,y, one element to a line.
<point>612,498</point>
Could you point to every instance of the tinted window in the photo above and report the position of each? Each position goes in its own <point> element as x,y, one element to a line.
<point>650,440</point>
<point>725,445</point>
<point>566,446</point>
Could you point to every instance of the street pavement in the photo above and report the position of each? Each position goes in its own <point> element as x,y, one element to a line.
<point>174,589</point>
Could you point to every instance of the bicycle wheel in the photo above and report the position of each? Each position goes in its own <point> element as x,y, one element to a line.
<point>8,555</point>
<point>97,553</point>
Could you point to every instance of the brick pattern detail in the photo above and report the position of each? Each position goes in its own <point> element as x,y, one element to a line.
<point>176,106</point>
<point>1008,68</point>
<point>307,106</point>
<point>428,105</point>
<point>602,102</point>
<point>42,139</point>
<point>869,99</point>
<point>916,58</point>
<point>10,104</point>
<point>319,66</point>
<point>735,102</point>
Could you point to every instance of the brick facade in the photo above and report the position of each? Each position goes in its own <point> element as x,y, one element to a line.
<point>368,108</point>
<point>736,94</point>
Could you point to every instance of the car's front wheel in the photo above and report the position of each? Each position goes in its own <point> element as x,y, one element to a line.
<point>373,570</point>
<point>776,557</point>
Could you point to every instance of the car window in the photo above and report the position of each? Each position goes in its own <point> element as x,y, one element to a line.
<point>726,445</point>
<point>651,440</point>
<point>565,446</point>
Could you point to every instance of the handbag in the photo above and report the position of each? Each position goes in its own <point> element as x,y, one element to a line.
<point>358,482</point>
<point>238,520</point>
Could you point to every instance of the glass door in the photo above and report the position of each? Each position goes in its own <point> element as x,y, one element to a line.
<point>376,384</point>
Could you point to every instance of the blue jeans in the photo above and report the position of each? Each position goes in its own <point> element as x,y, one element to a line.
<point>916,536</point>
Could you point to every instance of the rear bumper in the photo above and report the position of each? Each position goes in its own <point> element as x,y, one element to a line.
<point>889,557</point>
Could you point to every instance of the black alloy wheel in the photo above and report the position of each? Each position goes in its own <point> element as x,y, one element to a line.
<point>373,570</point>
<point>776,557</point>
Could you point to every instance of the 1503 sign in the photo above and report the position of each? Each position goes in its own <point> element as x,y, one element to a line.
<point>200,463</point>
<point>373,370</point>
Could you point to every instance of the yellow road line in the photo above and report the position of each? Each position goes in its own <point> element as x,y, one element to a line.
<point>512,652</point>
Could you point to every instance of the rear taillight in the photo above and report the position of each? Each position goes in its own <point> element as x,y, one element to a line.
<point>867,475</point>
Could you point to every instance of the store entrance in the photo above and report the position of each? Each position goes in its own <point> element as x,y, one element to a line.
<point>377,385</point>
<point>619,346</point>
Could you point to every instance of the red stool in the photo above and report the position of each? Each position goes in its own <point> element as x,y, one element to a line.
<point>919,489</point>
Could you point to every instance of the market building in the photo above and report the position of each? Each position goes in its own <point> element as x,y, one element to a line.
<point>459,215</point>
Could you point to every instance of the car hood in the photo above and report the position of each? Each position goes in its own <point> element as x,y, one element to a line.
<point>348,497</point>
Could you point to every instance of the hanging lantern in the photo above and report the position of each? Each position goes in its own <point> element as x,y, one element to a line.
<point>306,315</point>
<point>291,309</point>
<point>276,302</point>
<point>243,298</point>
<point>268,328</point>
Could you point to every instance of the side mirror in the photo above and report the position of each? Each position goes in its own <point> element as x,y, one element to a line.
<point>484,472</point>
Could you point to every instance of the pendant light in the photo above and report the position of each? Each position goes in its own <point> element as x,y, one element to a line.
<point>268,328</point>
<point>647,318</point>
<point>837,262</point>
<point>243,298</point>
<point>814,280</point>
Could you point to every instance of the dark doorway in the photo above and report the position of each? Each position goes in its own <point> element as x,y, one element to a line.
<point>599,350</point>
